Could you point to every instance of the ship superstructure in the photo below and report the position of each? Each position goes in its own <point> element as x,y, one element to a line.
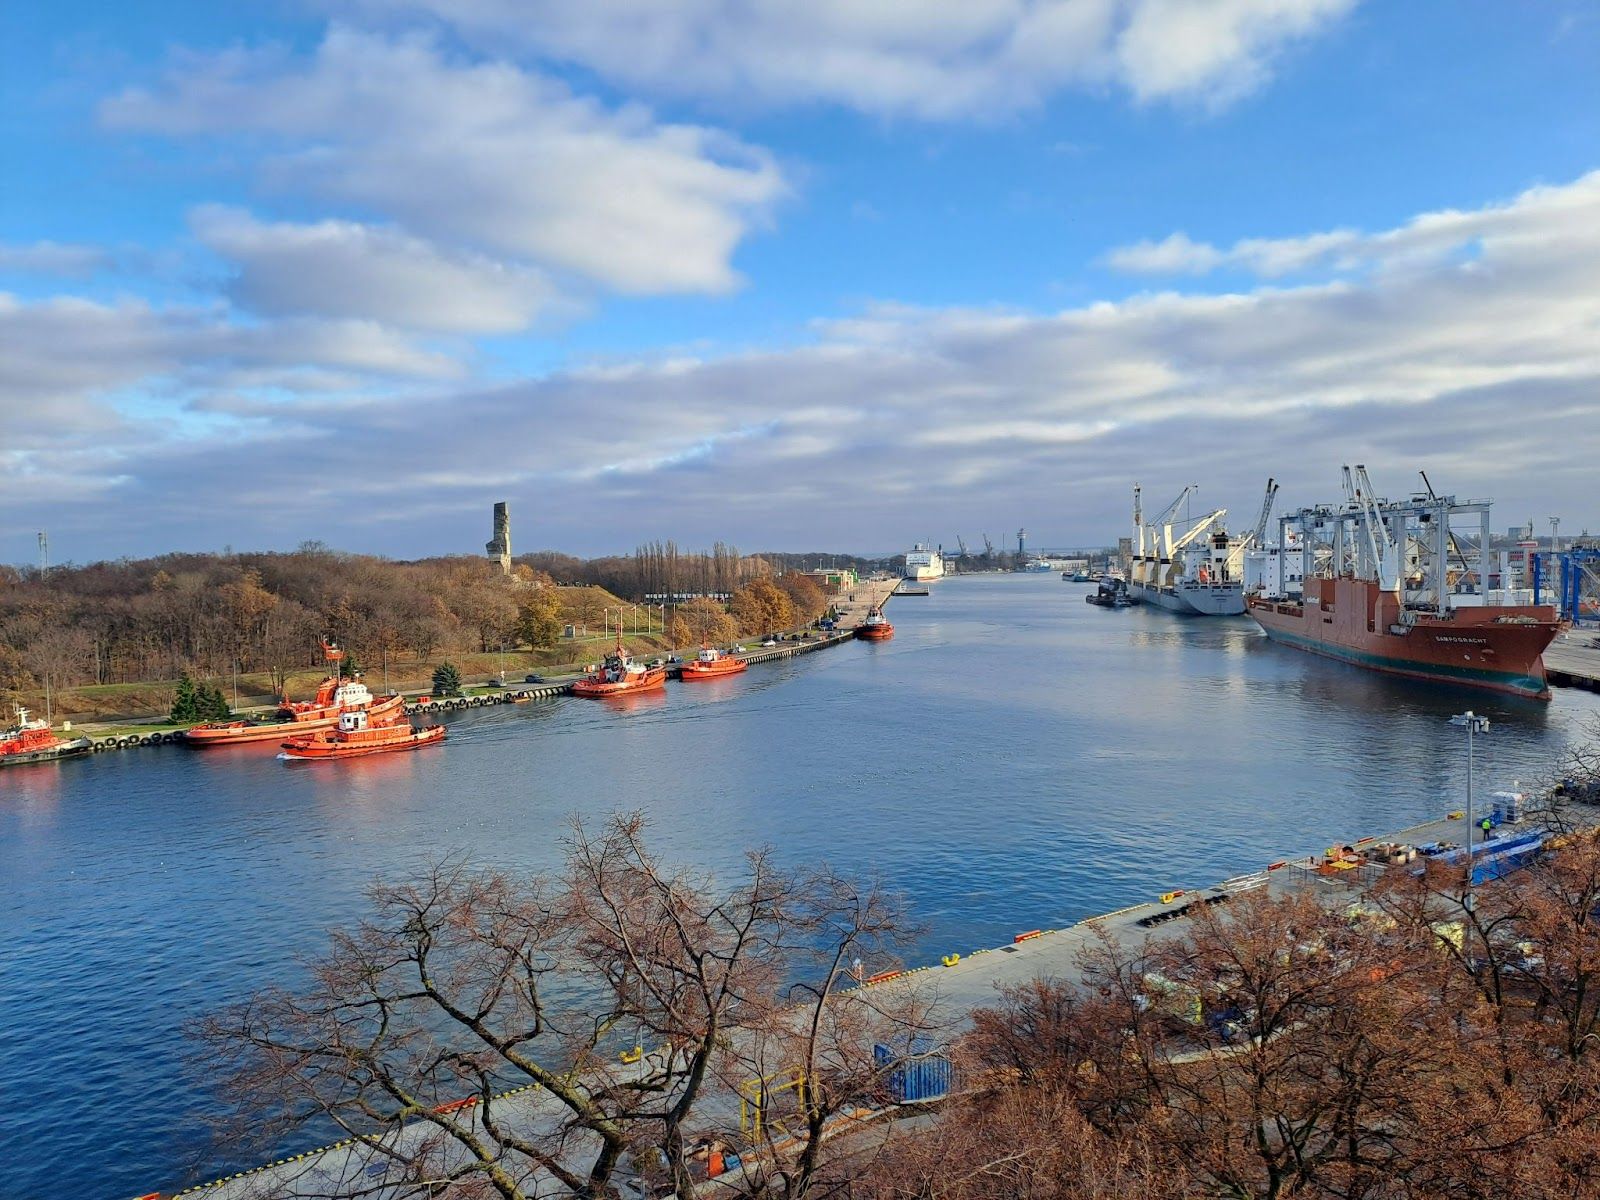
<point>1405,587</point>
<point>923,565</point>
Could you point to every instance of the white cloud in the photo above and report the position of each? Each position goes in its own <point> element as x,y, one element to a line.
<point>53,258</point>
<point>487,157</point>
<point>1539,216</point>
<point>901,423</point>
<point>347,269</point>
<point>925,58</point>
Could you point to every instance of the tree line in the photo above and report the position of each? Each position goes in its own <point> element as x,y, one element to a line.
<point>211,615</point>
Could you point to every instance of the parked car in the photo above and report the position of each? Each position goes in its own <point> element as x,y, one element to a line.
<point>769,642</point>
<point>533,679</point>
<point>494,683</point>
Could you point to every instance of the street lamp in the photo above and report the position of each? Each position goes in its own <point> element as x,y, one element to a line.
<point>1474,725</point>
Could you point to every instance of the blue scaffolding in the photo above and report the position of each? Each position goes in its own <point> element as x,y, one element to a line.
<point>1566,575</point>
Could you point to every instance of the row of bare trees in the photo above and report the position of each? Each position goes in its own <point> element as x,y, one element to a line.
<point>634,998</point>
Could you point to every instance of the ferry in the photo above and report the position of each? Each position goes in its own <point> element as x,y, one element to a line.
<point>712,664</point>
<point>358,735</point>
<point>876,627</point>
<point>924,565</point>
<point>1392,587</point>
<point>620,675</point>
<point>31,741</point>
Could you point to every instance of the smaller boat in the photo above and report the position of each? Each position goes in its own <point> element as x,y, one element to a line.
<point>712,663</point>
<point>32,741</point>
<point>1112,593</point>
<point>620,675</point>
<point>358,735</point>
<point>876,627</point>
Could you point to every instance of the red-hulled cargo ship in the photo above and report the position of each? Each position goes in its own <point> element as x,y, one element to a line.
<point>1391,587</point>
<point>1498,647</point>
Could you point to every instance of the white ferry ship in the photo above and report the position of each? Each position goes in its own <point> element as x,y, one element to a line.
<point>924,565</point>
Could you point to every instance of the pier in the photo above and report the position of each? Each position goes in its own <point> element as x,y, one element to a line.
<point>1573,659</point>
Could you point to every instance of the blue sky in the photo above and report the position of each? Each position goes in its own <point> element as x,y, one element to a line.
<point>842,275</point>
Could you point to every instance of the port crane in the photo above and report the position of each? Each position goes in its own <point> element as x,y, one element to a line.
<point>1380,544</point>
<point>1260,531</point>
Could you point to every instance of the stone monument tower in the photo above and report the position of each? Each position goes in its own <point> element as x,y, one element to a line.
<point>500,548</point>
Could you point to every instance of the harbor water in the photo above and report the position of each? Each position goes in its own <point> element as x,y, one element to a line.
<point>1013,759</point>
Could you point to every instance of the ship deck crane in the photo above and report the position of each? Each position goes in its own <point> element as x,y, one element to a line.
<point>1161,527</point>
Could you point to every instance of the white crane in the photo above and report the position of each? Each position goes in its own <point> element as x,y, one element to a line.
<point>1379,543</point>
<point>1174,548</point>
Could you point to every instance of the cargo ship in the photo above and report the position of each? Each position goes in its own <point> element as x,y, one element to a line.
<point>1400,587</point>
<point>924,565</point>
<point>31,741</point>
<point>1198,571</point>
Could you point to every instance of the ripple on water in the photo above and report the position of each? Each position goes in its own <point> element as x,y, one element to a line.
<point>1014,758</point>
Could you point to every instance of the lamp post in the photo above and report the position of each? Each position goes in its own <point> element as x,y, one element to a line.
<point>1474,725</point>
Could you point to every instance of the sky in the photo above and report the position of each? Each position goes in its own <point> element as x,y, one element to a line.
<point>839,275</point>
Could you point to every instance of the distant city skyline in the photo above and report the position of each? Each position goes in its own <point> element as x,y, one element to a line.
<point>847,276</point>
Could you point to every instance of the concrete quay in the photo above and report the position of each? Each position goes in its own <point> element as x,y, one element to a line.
<point>1573,659</point>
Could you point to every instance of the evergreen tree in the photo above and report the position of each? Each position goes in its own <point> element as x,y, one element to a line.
<point>446,680</point>
<point>211,704</point>
<point>185,708</point>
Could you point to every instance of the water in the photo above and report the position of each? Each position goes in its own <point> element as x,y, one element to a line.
<point>1014,758</point>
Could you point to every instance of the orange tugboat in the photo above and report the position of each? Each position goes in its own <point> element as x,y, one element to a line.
<point>876,627</point>
<point>713,664</point>
<point>335,695</point>
<point>619,675</point>
<point>358,735</point>
<point>34,741</point>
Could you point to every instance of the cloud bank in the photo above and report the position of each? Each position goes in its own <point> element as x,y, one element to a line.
<point>922,58</point>
<point>1468,343</point>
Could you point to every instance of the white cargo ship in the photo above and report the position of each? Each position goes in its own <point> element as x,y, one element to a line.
<point>924,565</point>
<point>1198,572</point>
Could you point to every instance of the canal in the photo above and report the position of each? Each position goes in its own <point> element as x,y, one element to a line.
<point>1013,758</point>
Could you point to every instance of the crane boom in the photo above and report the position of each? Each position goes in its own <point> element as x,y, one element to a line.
<point>1260,531</point>
<point>1205,523</point>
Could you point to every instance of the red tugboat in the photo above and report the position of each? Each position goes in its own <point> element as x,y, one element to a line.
<point>357,735</point>
<point>712,664</point>
<point>335,695</point>
<point>876,627</point>
<point>33,741</point>
<point>1389,586</point>
<point>619,675</point>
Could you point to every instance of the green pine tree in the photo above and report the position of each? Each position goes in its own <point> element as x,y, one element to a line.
<point>185,708</point>
<point>211,704</point>
<point>446,680</point>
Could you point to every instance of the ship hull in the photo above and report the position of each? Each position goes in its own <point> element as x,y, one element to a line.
<point>598,690</point>
<point>235,734</point>
<point>67,749</point>
<point>720,669</point>
<point>1487,649</point>
<point>1213,600</point>
<point>1165,598</point>
<point>322,747</point>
